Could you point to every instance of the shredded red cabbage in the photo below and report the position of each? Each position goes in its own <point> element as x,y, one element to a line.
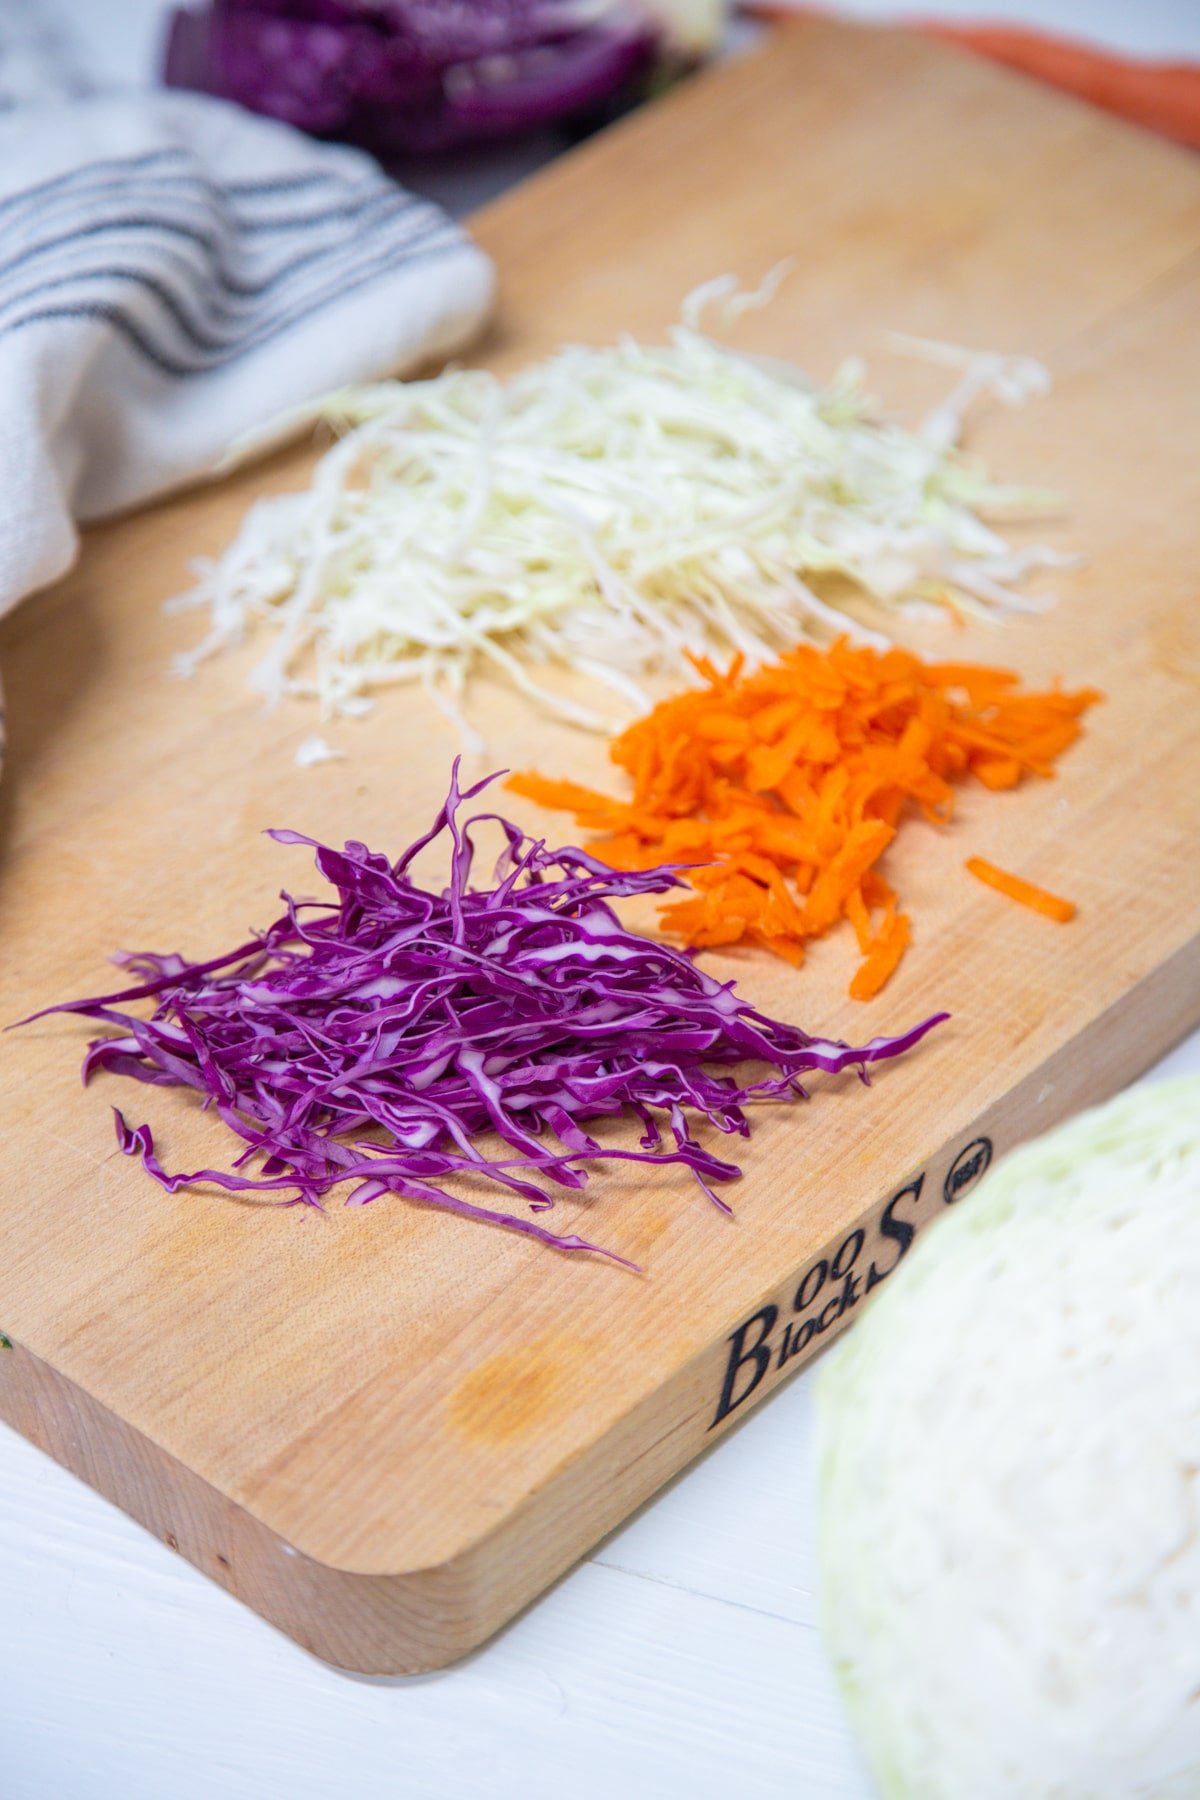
<point>377,1037</point>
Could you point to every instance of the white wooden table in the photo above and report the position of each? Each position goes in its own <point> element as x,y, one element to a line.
<point>680,1658</point>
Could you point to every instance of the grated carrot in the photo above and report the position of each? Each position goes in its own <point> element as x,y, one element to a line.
<point>1038,898</point>
<point>787,785</point>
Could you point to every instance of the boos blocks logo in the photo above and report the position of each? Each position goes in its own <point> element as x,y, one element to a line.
<point>774,1336</point>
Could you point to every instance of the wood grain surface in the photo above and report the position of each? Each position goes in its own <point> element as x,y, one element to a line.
<point>388,1429</point>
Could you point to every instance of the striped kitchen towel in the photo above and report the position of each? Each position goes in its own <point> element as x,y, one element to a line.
<point>175,273</point>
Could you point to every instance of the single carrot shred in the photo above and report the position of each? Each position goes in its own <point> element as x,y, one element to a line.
<point>1039,899</point>
<point>889,947</point>
<point>783,788</point>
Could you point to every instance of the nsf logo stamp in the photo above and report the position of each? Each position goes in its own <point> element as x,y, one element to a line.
<point>967,1169</point>
<point>835,1284</point>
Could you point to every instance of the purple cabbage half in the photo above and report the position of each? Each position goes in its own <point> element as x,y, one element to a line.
<point>411,75</point>
<point>383,1038</point>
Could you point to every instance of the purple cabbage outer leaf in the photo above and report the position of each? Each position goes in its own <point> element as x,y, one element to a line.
<point>411,75</point>
<point>376,1037</point>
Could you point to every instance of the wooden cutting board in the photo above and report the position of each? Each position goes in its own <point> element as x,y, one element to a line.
<point>388,1429</point>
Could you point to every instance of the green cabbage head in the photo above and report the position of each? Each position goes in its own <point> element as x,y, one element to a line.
<point>1010,1469</point>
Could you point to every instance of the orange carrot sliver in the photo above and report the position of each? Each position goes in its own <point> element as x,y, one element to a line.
<point>890,946</point>
<point>1025,892</point>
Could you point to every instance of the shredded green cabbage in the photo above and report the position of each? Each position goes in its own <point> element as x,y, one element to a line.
<point>608,510</point>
